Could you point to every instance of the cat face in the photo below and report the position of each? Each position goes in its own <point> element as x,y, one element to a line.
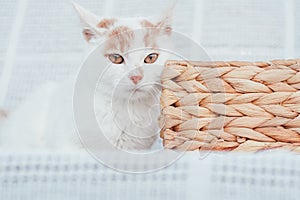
<point>132,46</point>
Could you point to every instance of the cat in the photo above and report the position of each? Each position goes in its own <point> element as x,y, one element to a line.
<point>45,120</point>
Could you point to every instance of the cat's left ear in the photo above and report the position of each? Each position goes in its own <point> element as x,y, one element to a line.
<point>163,23</point>
<point>165,20</point>
<point>89,22</point>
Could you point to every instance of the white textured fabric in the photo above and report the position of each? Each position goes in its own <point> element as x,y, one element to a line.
<point>233,176</point>
<point>46,175</point>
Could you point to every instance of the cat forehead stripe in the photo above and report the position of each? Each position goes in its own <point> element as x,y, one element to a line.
<point>106,23</point>
<point>120,38</point>
<point>146,24</point>
<point>150,34</point>
<point>121,30</point>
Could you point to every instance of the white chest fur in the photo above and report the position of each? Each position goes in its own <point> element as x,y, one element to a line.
<point>129,123</point>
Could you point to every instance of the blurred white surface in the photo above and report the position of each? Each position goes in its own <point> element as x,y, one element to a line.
<point>46,175</point>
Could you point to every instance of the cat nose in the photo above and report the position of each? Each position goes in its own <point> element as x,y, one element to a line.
<point>136,79</point>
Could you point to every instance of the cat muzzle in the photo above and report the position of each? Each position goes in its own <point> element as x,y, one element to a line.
<point>136,79</point>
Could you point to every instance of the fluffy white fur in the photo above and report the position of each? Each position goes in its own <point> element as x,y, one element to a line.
<point>46,118</point>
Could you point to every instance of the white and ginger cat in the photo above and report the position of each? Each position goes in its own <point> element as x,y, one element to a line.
<point>45,120</point>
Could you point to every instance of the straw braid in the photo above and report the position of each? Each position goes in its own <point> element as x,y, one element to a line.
<point>240,106</point>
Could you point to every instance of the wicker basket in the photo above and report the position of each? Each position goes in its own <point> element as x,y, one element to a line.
<point>233,106</point>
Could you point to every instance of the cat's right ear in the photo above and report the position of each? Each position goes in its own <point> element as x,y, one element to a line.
<point>89,23</point>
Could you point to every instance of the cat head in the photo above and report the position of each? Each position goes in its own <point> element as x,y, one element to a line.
<point>132,46</point>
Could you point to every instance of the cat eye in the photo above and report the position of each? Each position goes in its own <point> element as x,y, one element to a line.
<point>151,58</point>
<point>116,58</point>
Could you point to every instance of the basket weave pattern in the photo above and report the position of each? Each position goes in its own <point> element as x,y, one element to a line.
<point>233,106</point>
